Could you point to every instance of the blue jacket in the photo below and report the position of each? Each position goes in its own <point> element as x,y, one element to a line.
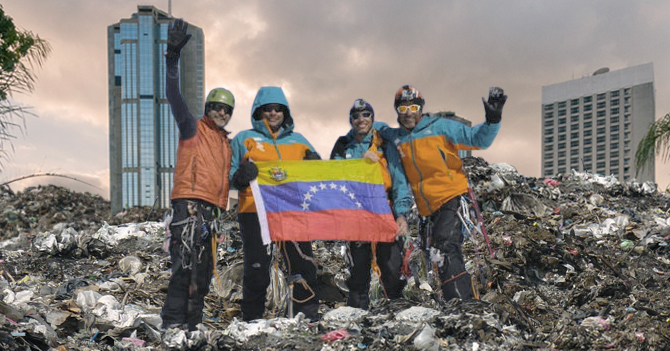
<point>398,189</point>
<point>260,144</point>
<point>429,155</point>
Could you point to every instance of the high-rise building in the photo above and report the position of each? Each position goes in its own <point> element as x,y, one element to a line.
<point>595,123</point>
<point>143,135</point>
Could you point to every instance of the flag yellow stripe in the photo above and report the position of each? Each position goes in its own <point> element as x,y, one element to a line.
<point>280,172</point>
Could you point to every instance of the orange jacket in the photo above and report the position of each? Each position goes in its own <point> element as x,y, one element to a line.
<point>203,165</point>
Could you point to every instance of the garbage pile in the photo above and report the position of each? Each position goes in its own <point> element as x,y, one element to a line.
<point>578,261</point>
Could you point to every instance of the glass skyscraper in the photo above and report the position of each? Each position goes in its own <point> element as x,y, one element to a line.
<point>143,135</point>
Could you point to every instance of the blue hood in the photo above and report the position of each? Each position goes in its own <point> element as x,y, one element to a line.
<point>270,95</point>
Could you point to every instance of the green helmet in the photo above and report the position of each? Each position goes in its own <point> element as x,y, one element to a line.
<point>222,96</point>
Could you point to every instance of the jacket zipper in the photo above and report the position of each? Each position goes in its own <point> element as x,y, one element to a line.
<point>411,146</point>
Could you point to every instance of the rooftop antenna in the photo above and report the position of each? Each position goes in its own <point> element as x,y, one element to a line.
<point>169,8</point>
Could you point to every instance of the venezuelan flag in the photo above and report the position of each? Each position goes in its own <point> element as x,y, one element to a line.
<point>322,200</point>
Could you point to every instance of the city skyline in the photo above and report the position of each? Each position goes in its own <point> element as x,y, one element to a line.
<point>327,55</point>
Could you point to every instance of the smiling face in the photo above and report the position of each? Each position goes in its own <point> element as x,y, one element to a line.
<point>220,114</point>
<point>273,114</point>
<point>361,122</point>
<point>409,114</point>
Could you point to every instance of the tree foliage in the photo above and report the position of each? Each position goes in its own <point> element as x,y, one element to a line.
<point>20,53</point>
<point>657,141</point>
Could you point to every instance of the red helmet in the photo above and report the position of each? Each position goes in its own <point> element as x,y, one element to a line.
<point>408,93</point>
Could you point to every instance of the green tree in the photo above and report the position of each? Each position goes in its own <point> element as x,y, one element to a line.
<point>20,53</point>
<point>657,141</point>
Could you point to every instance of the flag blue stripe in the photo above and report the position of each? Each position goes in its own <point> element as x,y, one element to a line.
<point>323,196</point>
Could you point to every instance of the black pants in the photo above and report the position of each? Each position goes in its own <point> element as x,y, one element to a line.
<point>256,277</point>
<point>192,263</point>
<point>445,238</point>
<point>389,260</point>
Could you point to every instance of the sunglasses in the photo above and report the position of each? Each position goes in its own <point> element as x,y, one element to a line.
<point>272,107</point>
<point>357,115</point>
<point>227,109</point>
<point>410,108</point>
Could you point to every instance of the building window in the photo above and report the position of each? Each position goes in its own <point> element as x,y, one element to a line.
<point>601,104</point>
<point>588,99</point>
<point>614,163</point>
<point>561,112</point>
<point>625,163</point>
<point>601,131</point>
<point>549,123</point>
<point>574,152</point>
<point>548,164</point>
<point>549,131</point>
<point>614,93</point>
<point>562,121</point>
<point>626,109</point>
<point>561,170</point>
<point>626,126</point>
<point>574,109</point>
<point>548,115</point>
<point>574,127</point>
<point>626,135</point>
<point>602,122</point>
<point>614,154</point>
<point>626,100</point>
<point>626,143</point>
<point>587,116</point>
<point>548,172</point>
<point>588,166</point>
<point>614,120</point>
<point>574,143</point>
<point>561,137</point>
<point>561,129</point>
<point>601,113</point>
<point>587,158</point>
<point>614,129</point>
<point>574,102</point>
<point>614,102</point>
<point>561,162</point>
<point>574,135</point>
<point>587,141</point>
<point>600,157</point>
<point>549,107</point>
<point>562,104</point>
<point>588,124</point>
<point>601,96</point>
<point>626,91</point>
<point>600,139</point>
<point>549,156</point>
<point>600,148</point>
<point>587,150</point>
<point>549,139</point>
<point>561,146</point>
<point>614,137</point>
<point>614,146</point>
<point>574,119</point>
<point>600,166</point>
<point>626,118</point>
<point>588,108</point>
<point>549,147</point>
<point>588,133</point>
<point>561,154</point>
<point>614,111</point>
<point>614,171</point>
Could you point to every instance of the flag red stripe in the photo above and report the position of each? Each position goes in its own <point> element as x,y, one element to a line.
<point>330,225</point>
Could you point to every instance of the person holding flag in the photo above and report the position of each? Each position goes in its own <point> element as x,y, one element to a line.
<point>428,148</point>
<point>363,141</point>
<point>271,139</point>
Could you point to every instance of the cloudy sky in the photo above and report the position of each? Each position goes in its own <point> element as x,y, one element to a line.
<point>326,54</point>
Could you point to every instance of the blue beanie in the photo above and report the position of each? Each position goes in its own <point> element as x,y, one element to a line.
<point>361,105</point>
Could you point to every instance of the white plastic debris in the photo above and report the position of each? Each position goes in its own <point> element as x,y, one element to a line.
<point>426,340</point>
<point>416,314</point>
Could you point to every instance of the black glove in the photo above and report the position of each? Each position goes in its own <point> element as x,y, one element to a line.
<point>311,155</point>
<point>494,106</point>
<point>340,148</point>
<point>177,38</point>
<point>246,173</point>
